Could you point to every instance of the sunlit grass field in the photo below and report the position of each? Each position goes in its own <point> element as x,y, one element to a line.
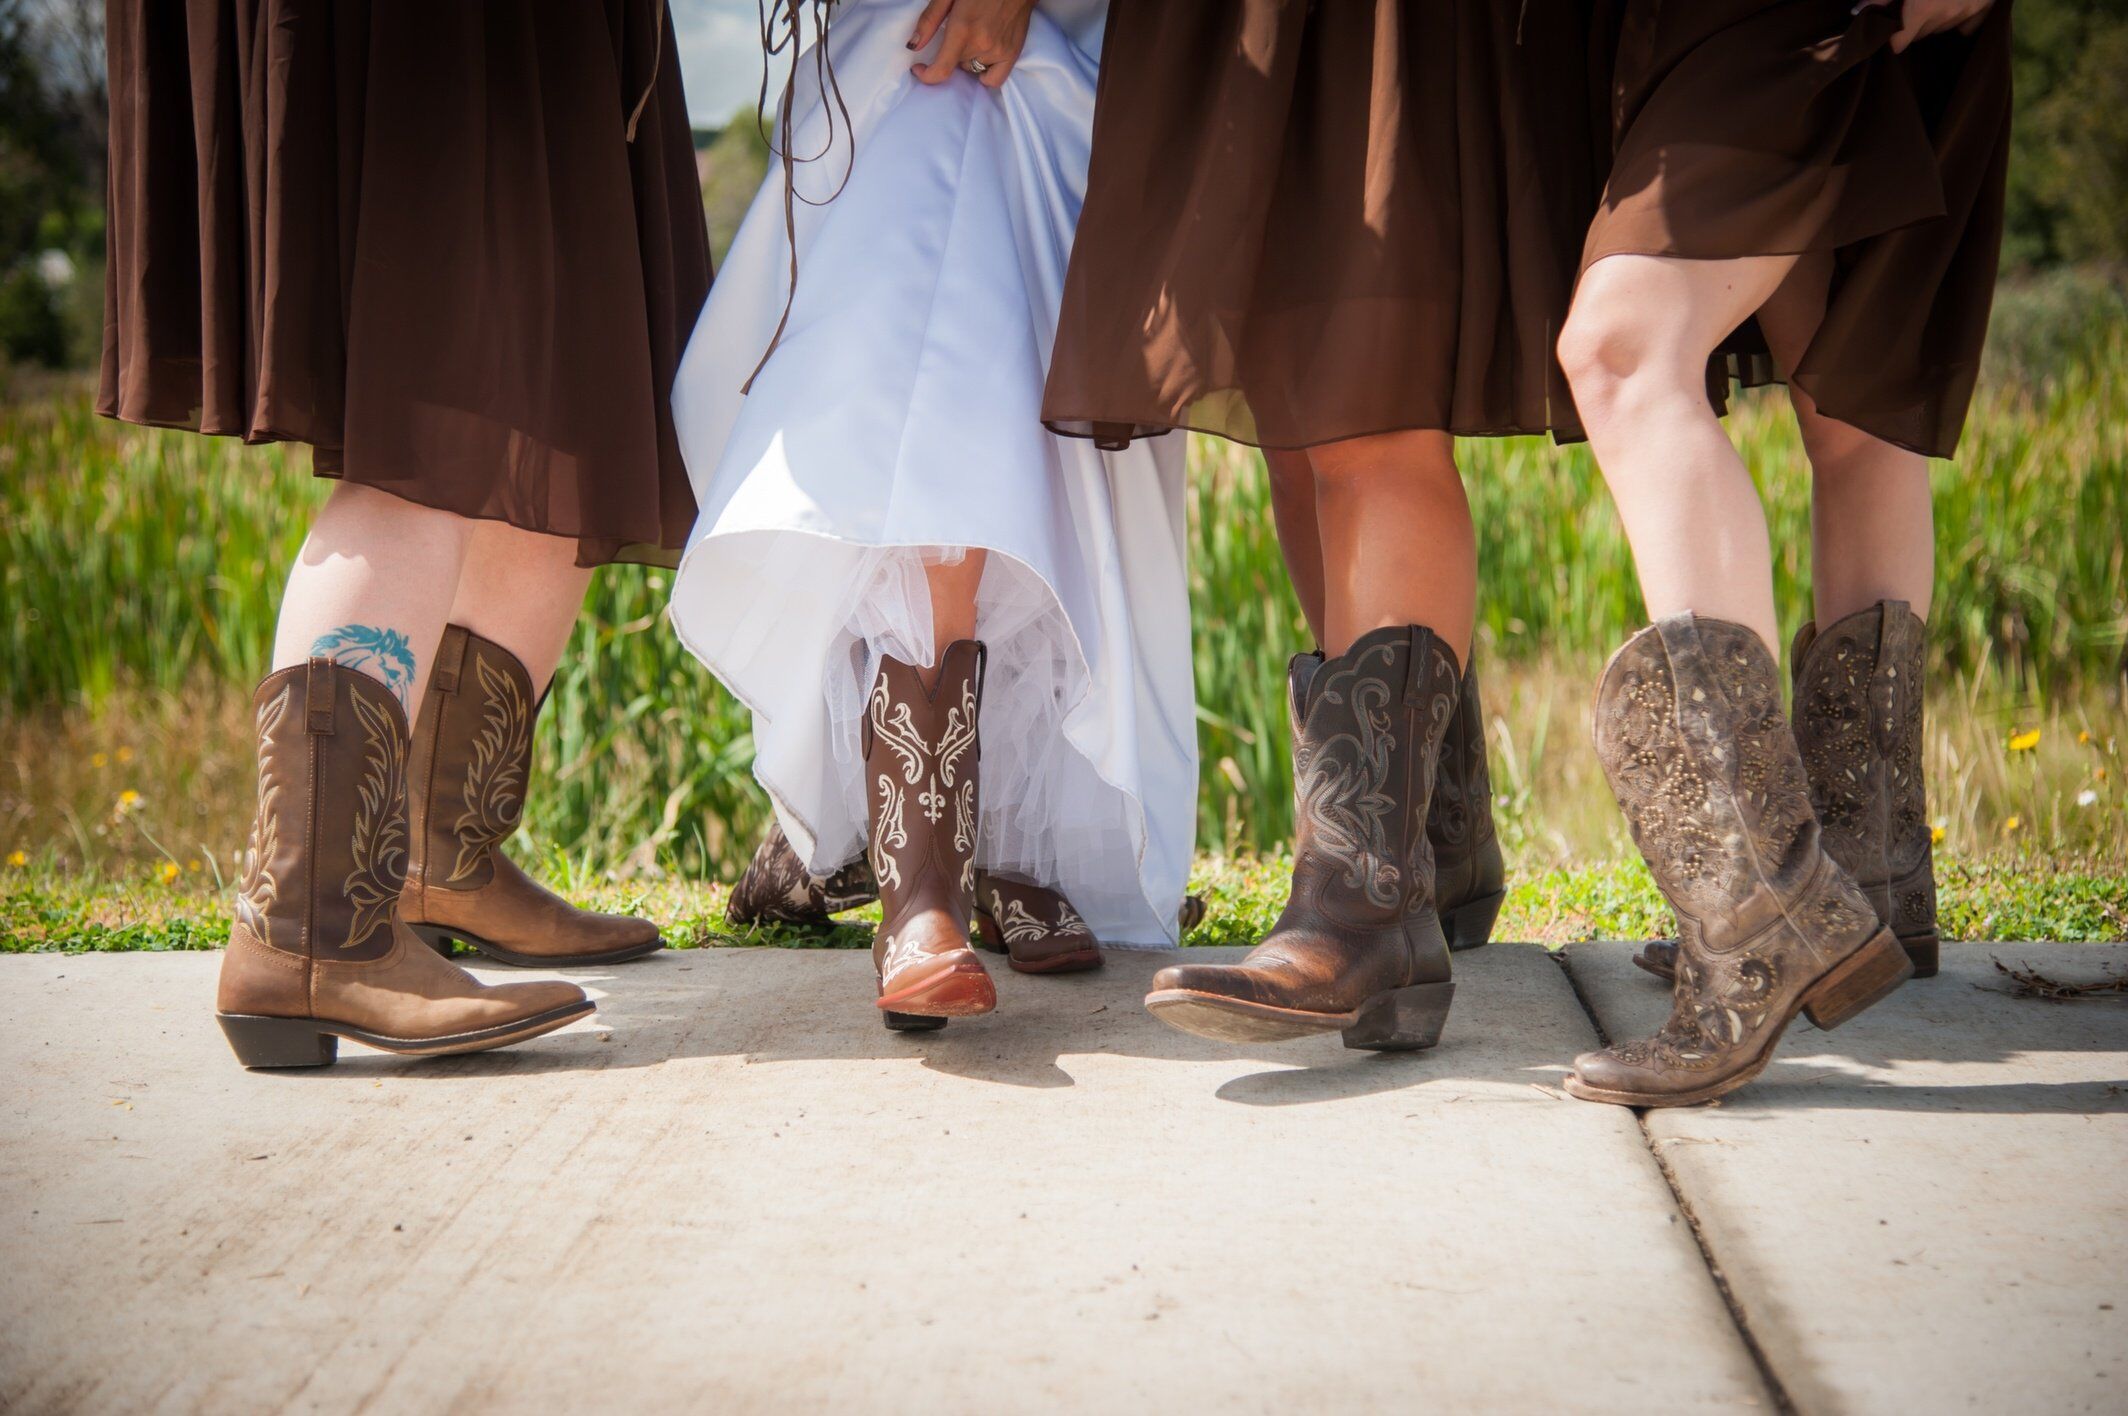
<point>140,572</point>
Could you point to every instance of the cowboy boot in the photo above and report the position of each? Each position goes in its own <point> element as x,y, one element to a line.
<point>472,763</point>
<point>1036,929</point>
<point>778,889</point>
<point>922,761</point>
<point>318,950</point>
<point>1690,733</point>
<point>1470,877</point>
<point>1358,948</point>
<point>1858,701</point>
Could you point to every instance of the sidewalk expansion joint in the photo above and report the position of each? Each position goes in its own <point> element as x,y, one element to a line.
<point>1782,1401</point>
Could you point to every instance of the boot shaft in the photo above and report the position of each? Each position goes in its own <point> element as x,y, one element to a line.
<point>1459,820</point>
<point>923,777</point>
<point>328,850</point>
<point>1368,731</point>
<point>471,761</point>
<point>1859,688</point>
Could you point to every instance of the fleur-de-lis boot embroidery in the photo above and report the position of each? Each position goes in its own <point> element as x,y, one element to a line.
<point>1690,733</point>
<point>318,950</point>
<point>471,766</point>
<point>922,763</point>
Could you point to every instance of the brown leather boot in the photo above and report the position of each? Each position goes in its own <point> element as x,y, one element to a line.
<point>1691,735</point>
<point>778,889</point>
<point>318,951</point>
<point>923,762</point>
<point>472,763</point>
<point>1358,948</point>
<point>1470,876</point>
<point>1036,929</point>
<point>1858,700</point>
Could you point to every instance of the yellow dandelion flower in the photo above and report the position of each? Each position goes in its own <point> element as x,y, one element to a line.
<point>128,799</point>
<point>2084,736</point>
<point>2012,825</point>
<point>1935,835</point>
<point>2025,741</point>
<point>169,872</point>
<point>193,865</point>
<point>18,859</point>
<point>99,759</point>
<point>125,754</point>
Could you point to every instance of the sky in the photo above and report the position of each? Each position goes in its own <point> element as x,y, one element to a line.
<point>720,56</point>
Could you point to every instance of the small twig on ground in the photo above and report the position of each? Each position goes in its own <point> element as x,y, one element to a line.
<point>2028,982</point>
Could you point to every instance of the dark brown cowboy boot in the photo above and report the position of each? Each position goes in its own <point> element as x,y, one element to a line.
<point>1858,700</point>
<point>922,785</point>
<point>1358,948</point>
<point>778,889</point>
<point>1691,735</point>
<point>472,763</point>
<point>318,951</point>
<point>1470,877</point>
<point>1036,929</point>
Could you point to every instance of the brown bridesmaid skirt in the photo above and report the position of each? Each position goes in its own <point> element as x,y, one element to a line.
<point>456,248</point>
<point>1772,127</point>
<point>1313,221</point>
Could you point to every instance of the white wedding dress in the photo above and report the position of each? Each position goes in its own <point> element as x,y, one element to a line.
<point>898,418</point>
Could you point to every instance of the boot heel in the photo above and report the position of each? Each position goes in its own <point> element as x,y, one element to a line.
<point>1403,1019</point>
<point>1862,978</point>
<point>278,1042</point>
<point>1470,924</point>
<point>1923,949</point>
<point>435,938</point>
<point>911,1022</point>
<point>987,934</point>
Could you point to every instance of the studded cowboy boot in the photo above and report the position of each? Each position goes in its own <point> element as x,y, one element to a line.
<point>472,763</point>
<point>1036,929</point>
<point>922,762</point>
<point>318,950</point>
<point>1470,877</point>
<point>778,889</point>
<point>1858,698</point>
<point>1358,949</point>
<point>1691,735</point>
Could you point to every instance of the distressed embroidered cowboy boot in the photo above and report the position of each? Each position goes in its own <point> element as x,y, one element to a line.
<point>778,889</point>
<point>318,951</point>
<point>1358,949</point>
<point>1858,702</point>
<point>472,762</point>
<point>1691,735</point>
<point>1036,929</point>
<point>922,785</point>
<point>1470,876</point>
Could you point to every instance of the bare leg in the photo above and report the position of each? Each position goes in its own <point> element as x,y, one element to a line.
<point>953,590</point>
<point>1397,543</point>
<point>1873,533</point>
<point>1299,536</point>
<point>522,590</point>
<point>1635,349</point>
<point>372,588</point>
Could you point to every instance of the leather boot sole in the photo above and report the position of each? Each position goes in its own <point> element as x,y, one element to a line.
<point>1401,1020</point>
<point>990,937</point>
<point>261,1042</point>
<point>1863,978</point>
<point>962,991</point>
<point>439,938</point>
<point>1470,924</point>
<point>1924,949</point>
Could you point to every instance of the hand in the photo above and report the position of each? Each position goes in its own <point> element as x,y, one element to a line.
<point>990,30</point>
<point>1923,18</point>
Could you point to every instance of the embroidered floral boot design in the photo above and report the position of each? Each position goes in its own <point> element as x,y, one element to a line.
<point>1358,948</point>
<point>778,889</point>
<point>318,950</point>
<point>1691,735</point>
<point>1470,876</point>
<point>1858,697</point>
<point>472,764</point>
<point>1036,929</point>
<point>922,763</point>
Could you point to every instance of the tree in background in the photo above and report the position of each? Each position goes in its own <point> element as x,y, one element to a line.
<point>52,122</point>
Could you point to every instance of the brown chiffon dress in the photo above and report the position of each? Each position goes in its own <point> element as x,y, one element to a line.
<point>458,249</point>
<point>1771,127</point>
<point>1313,221</point>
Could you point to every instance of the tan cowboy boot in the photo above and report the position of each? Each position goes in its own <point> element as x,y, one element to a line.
<point>1036,929</point>
<point>922,784</point>
<point>472,763</point>
<point>1470,877</point>
<point>1858,701</point>
<point>318,951</point>
<point>1358,948</point>
<point>1691,735</point>
<point>778,889</point>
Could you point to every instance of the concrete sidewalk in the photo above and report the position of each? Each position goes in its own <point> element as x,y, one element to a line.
<point>736,1191</point>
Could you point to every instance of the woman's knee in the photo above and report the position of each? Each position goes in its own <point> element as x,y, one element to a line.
<point>1421,458</point>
